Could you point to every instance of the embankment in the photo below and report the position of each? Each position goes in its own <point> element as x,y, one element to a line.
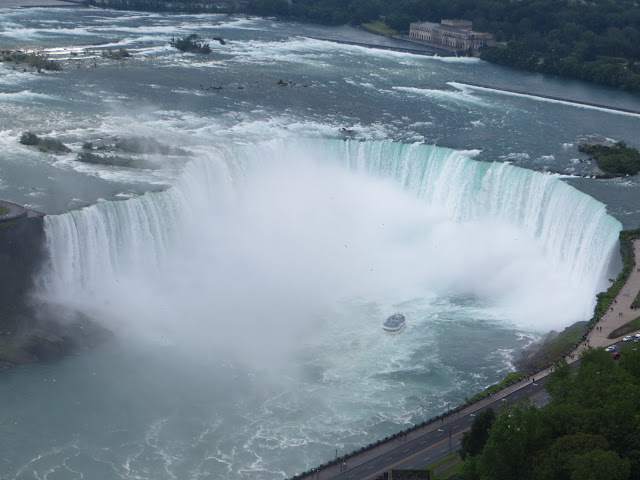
<point>29,333</point>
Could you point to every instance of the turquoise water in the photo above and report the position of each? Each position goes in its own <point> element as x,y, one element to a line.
<point>247,284</point>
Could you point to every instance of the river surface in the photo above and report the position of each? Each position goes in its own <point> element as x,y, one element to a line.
<point>314,188</point>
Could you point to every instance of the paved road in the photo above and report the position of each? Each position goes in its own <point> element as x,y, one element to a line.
<point>430,441</point>
<point>437,444</point>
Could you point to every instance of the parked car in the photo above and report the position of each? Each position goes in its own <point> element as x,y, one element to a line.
<point>627,338</point>
<point>637,335</point>
<point>610,348</point>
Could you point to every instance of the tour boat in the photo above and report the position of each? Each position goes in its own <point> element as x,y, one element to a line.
<point>394,324</point>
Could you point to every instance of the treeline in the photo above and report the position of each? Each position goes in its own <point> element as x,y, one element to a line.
<point>589,430</point>
<point>185,6</point>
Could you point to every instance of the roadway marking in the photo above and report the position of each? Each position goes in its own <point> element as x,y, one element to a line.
<point>423,442</point>
<point>406,450</point>
<point>370,467</point>
<point>388,458</point>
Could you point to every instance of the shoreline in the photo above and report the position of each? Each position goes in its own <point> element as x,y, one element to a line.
<point>42,3</point>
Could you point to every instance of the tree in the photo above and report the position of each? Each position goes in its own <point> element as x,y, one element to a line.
<point>560,379</point>
<point>599,465</point>
<point>29,138</point>
<point>561,458</point>
<point>474,440</point>
<point>514,439</point>
<point>191,44</point>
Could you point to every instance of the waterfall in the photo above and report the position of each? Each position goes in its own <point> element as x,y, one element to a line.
<point>115,241</point>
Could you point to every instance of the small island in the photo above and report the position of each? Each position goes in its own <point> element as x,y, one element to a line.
<point>119,54</point>
<point>191,44</point>
<point>615,160</point>
<point>44,144</point>
<point>36,60</point>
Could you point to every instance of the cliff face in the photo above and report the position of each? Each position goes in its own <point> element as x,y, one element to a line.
<point>31,332</point>
<point>21,256</point>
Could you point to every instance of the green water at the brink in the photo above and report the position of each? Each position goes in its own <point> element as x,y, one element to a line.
<point>198,383</point>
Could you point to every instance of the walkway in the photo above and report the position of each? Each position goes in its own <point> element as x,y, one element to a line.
<point>622,312</point>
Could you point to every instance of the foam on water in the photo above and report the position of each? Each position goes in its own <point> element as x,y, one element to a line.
<point>457,97</point>
<point>25,95</point>
<point>543,99</point>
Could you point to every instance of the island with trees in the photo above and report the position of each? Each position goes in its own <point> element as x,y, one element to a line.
<point>190,44</point>
<point>614,160</point>
<point>43,144</point>
<point>35,60</point>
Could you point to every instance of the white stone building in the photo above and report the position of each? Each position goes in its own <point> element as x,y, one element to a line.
<point>449,34</point>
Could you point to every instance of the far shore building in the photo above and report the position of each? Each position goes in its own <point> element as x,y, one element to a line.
<point>449,35</point>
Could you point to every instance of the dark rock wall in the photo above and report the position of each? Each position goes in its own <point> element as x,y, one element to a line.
<point>29,330</point>
<point>22,253</point>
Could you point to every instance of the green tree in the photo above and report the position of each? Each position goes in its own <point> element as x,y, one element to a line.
<point>562,459</point>
<point>514,439</point>
<point>29,138</point>
<point>599,465</point>
<point>474,440</point>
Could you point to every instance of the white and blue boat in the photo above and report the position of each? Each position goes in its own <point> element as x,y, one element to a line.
<point>394,324</point>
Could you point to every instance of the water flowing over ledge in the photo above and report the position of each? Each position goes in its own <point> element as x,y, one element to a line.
<point>96,246</point>
<point>574,228</point>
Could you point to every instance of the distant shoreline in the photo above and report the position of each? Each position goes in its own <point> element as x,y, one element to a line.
<point>41,3</point>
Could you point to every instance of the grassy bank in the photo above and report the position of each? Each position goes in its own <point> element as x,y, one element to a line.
<point>510,378</point>
<point>552,347</point>
<point>636,301</point>
<point>446,467</point>
<point>379,28</point>
<point>630,327</point>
